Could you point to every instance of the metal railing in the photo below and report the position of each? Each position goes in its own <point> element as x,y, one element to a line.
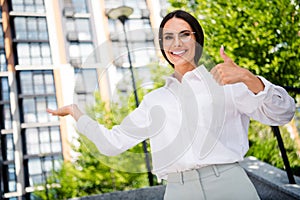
<point>285,159</point>
<point>277,134</point>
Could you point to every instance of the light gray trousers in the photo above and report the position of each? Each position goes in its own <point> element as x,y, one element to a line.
<point>214,182</point>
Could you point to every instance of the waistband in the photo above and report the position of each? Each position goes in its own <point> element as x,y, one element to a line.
<point>195,174</point>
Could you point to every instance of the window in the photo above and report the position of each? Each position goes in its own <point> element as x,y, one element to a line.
<point>45,140</point>
<point>31,41</point>
<point>80,6</point>
<point>9,173</point>
<point>83,29</point>
<point>5,112</point>
<point>9,144</point>
<point>31,28</point>
<point>10,183</point>
<point>82,51</point>
<point>37,94</point>
<point>3,63</point>
<point>28,6</point>
<point>34,54</point>
<point>140,42</point>
<point>1,36</point>
<point>141,53</point>
<point>42,154</point>
<point>139,6</point>
<point>42,145</point>
<point>139,35</point>
<point>40,168</point>
<point>85,86</point>
<point>80,27</point>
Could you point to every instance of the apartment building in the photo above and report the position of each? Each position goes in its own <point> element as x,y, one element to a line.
<point>50,53</point>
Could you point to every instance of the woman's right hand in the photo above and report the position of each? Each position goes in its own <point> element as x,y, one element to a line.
<point>71,109</point>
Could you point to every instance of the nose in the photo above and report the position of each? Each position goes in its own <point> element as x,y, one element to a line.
<point>177,42</point>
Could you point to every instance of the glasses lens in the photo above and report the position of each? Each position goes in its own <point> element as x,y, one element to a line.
<point>169,38</point>
<point>185,36</point>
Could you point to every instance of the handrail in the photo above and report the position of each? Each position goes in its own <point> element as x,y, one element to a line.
<point>285,159</point>
<point>277,134</point>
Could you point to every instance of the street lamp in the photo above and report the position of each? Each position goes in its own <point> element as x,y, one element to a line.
<point>122,13</point>
<point>1,158</point>
<point>1,167</point>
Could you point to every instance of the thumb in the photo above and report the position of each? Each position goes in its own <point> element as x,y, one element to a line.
<point>224,56</point>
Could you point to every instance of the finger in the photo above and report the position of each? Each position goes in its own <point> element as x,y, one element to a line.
<point>215,68</point>
<point>224,55</point>
<point>52,112</point>
<point>215,75</point>
<point>49,110</point>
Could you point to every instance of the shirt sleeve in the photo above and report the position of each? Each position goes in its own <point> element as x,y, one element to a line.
<point>114,141</point>
<point>272,106</point>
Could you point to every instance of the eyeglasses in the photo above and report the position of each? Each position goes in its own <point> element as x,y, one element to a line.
<point>184,36</point>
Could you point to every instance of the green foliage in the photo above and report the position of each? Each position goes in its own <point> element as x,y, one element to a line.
<point>93,173</point>
<point>88,175</point>
<point>264,146</point>
<point>260,35</point>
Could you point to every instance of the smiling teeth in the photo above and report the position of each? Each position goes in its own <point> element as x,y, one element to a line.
<point>178,52</point>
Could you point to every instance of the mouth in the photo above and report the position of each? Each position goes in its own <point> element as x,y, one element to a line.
<point>178,53</point>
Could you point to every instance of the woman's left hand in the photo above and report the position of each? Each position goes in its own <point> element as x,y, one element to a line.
<point>229,72</point>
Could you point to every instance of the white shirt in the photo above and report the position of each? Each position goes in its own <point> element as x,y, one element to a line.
<point>193,123</point>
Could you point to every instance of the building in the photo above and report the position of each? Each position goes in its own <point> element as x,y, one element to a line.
<point>50,53</point>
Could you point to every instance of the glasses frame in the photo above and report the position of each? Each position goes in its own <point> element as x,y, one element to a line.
<point>178,37</point>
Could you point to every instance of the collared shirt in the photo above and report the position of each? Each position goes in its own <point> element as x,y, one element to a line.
<point>193,123</point>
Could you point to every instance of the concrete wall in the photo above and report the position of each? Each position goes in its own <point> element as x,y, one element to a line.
<point>269,181</point>
<point>271,184</point>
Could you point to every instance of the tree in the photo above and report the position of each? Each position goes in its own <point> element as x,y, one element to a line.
<point>93,173</point>
<point>264,37</point>
<point>90,172</point>
<point>264,146</point>
<point>261,35</point>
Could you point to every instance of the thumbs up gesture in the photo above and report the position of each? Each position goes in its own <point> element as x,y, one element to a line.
<point>229,72</point>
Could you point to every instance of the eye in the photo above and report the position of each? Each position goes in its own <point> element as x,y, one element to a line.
<point>168,37</point>
<point>185,35</point>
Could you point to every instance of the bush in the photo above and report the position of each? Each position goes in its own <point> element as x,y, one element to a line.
<point>263,145</point>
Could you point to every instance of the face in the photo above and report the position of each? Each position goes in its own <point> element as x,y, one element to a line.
<point>179,43</point>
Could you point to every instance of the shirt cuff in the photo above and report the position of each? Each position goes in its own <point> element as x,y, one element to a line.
<point>83,122</point>
<point>264,92</point>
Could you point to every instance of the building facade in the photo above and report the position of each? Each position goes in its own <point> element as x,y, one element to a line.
<point>50,53</point>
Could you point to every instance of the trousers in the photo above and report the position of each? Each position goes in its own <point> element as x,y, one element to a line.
<point>213,182</point>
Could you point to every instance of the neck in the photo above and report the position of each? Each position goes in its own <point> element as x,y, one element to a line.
<point>182,69</point>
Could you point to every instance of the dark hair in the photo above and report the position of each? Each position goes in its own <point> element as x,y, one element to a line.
<point>196,27</point>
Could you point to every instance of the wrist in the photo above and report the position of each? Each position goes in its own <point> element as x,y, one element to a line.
<point>253,82</point>
<point>75,112</point>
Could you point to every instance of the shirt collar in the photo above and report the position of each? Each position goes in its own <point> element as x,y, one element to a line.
<point>188,75</point>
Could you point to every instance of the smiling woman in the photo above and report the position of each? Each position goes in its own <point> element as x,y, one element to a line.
<point>198,122</point>
<point>182,22</point>
<point>180,53</point>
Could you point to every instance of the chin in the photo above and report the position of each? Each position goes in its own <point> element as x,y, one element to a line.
<point>181,62</point>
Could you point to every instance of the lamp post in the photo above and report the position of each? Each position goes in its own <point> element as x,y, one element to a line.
<point>1,158</point>
<point>122,13</point>
<point>1,167</point>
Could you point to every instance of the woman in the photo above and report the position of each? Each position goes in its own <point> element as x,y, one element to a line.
<point>195,147</point>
